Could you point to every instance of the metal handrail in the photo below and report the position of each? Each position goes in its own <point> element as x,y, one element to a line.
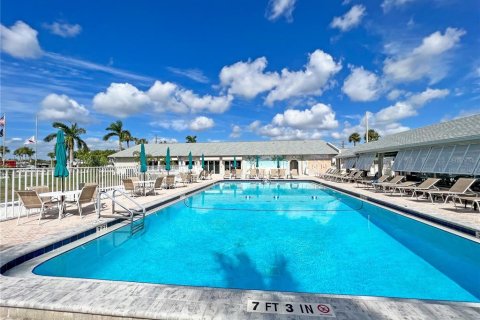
<point>132,213</point>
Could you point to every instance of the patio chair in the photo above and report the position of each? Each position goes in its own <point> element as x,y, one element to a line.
<point>328,171</point>
<point>282,173</point>
<point>370,182</point>
<point>30,200</point>
<point>129,186</point>
<point>341,176</point>
<point>227,174</point>
<point>347,177</point>
<point>238,174</point>
<point>333,172</point>
<point>183,178</point>
<point>460,188</point>
<point>253,173</point>
<point>400,187</point>
<point>274,174</point>
<point>87,195</point>
<point>261,173</point>
<point>356,176</point>
<point>294,174</point>
<point>426,185</point>
<point>170,182</point>
<point>384,185</point>
<point>475,200</point>
<point>157,185</point>
<point>41,189</point>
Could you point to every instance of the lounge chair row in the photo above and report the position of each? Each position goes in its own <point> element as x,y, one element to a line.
<point>255,173</point>
<point>460,192</point>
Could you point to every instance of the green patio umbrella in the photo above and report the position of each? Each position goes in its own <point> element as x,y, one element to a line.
<point>203,162</point>
<point>257,157</point>
<point>61,170</point>
<point>278,162</point>
<point>167,161</point>
<point>143,162</point>
<point>234,162</point>
<point>190,161</point>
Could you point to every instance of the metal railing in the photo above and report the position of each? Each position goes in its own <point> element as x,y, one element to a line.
<point>107,178</point>
<point>139,211</point>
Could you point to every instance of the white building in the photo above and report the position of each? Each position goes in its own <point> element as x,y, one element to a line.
<point>307,156</point>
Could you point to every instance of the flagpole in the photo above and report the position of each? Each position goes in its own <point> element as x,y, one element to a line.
<point>366,121</point>
<point>36,138</point>
<point>3,140</point>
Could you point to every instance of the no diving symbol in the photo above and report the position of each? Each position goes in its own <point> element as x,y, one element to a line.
<point>323,308</point>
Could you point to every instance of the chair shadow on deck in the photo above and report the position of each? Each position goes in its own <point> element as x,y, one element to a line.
<point>240,272</point>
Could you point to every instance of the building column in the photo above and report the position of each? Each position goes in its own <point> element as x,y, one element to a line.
<point>380,164</point>
<point>222,166</point>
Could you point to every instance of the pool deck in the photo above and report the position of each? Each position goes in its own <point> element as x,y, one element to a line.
<point>27,296</point>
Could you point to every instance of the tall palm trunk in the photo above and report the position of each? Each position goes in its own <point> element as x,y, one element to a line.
<point>70,151</point>
<point>120,144</point>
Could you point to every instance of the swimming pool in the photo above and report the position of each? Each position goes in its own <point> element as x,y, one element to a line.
<point>282,236</point>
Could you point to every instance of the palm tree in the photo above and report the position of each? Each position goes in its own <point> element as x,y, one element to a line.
<point>72,137</point>
<point>51,155</point>
<point>127,137</point>
<point>116,130</point>
<point>20,152</point>
<point>7,150</point>
<point>141,140</point>
<point>372,136</point>
<point>355,138</point>
<point>191,139</point>
<point>24,152</point>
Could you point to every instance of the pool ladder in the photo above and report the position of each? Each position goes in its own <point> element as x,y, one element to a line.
<point>136,215</point>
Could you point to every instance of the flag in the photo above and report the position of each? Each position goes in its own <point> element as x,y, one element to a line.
<point>30,140</point>
<point>1,133</point>
<point>2,121</point>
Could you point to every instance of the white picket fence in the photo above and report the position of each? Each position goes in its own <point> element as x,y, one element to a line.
<point>12,180</point>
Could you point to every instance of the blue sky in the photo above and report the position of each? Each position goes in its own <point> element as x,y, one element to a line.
<point>237,70</point>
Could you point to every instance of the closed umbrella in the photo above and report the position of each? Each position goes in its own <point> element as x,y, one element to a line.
<point>257,160</point>
<point>61,170</point>
<point>278,162</point>
<point>234,162</point>
<point>167,161</point>
<point>190,161</point>
<point>143,162</point>
<point>203,162</point>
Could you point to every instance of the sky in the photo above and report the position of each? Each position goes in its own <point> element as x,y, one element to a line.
<point>236,70</point>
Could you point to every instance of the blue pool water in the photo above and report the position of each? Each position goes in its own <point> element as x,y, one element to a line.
<point>277,237</point>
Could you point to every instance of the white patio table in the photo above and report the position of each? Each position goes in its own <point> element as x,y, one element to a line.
<point>144,183</point>
<point>61,195</point>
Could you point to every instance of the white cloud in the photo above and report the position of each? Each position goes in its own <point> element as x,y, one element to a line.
<point>193,74</point>
<point>278,8</point>
<point>387,5</point>
<point>20,41</point>
<point>247,79</point>
<point>236,131</point>
<point>299,124</point>
<point>64,30</point>
<point>124,99</point>
<point>409,107</point>
<point>207,102</point>
<point>311,81</point>
<point>425,61</point>
<point>254,125</point>
<point>61,108</point>
<point>395,94</point>
<point>320,116</point>
<point>362,85</point>
<point>201,123</point>
<point>121,100</point>
<point>350,19</point>
<point>169,96</point>
<point>100,144</point>
<point>197,124</point>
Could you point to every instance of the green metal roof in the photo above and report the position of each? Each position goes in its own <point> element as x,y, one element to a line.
<point>465,129</point>
<point>261,148</point>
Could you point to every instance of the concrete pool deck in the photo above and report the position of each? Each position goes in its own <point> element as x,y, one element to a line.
<point>36,297</point>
